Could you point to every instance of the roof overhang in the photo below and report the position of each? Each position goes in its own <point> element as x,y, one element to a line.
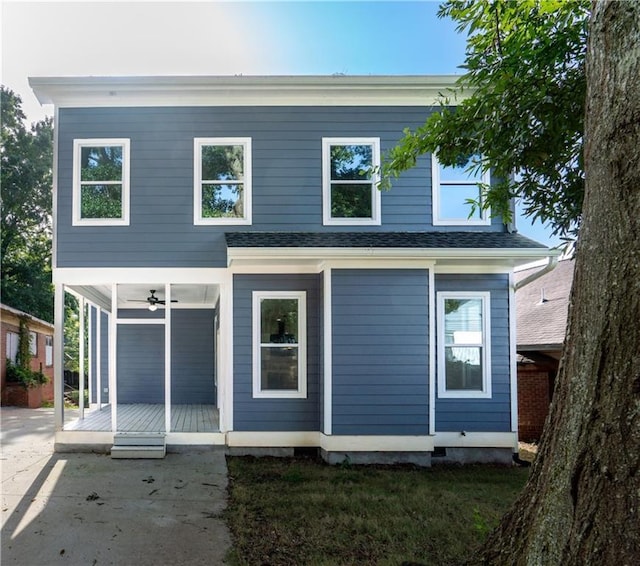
<point>309,90</point>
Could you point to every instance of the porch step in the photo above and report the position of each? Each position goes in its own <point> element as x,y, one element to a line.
<point>139,445</point>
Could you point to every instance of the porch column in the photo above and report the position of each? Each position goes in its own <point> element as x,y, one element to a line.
<point>81,361</point>
<point>58,356</point>
<point>225,364</point>
<point>90,354</point>
<point>113,342</point>
<point>167,358</point>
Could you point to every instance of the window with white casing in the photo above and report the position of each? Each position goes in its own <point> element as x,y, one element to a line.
<point>222,181</point>
<point>33,343</point>
<point>350,196</point>
<point>453,187</point>
<point>48,350</point>
<point>279,344</point>
<point>13,340</point>
<point>101,182</point>
<point>464,344</point>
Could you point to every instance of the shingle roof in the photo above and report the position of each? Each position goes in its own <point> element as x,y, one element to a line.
<point>542,325</point>
<point>379,240</point>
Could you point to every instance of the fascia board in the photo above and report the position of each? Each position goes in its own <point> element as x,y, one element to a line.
<point>419,90</point>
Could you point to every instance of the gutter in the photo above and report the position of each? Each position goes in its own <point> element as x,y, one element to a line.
<point>552,261</point>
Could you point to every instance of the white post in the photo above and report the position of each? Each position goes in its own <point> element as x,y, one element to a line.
<point>99,358</point>
<point>225,367</point>
<point>328,353</point>
<point>90,356</point>
<point>167,358</point>
<point>113,343</point>
<point>58,356</point>
<point>432,351</point>
<point>81,364</point>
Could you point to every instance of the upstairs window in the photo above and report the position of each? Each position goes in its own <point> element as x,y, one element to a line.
<point>279,344</point>
<point>101,182</point>
<point>464,351</point>
<point>350,195</point>
<point>453,187</point>
<point>222,173</point>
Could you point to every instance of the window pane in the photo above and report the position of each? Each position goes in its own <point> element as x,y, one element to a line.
<point>279,368</point>
<point>279,321</point>
<point>453,174</point>
<point>222,163</point>
<point>33,343</point>
<point>101,163</point>
<point>351,162</point>
<point>101,201</point>
<point>453,203</point>
<point>222,201</point>
<point>351,201</point>
<point>463,368</point>
<point>463,321</point>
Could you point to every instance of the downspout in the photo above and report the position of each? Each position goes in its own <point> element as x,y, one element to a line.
<point>552,261</point>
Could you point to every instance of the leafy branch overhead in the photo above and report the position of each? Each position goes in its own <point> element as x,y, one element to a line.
<point>519,105</point>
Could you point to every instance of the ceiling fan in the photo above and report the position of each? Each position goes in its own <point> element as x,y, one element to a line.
<point>152,300</point>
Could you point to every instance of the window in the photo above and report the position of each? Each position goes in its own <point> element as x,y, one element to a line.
<point>12,346</point>
<point>452,188</point>
<point>350,196</point>
<point>222,176</point>
<point>101,182</point>
<point>48,350</point>
<point>464,350</point>
<point>279,344</point>
<point>33,343</point>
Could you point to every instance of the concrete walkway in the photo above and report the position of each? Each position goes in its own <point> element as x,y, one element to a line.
<point>90,510</point>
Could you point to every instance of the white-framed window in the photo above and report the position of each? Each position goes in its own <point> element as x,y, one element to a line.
<point>350,196</point>
<point>279,344</point>
<point>222,181</point>
<point>13,340</point>
<point>48,350</point>
<point>452,188</point>
<point>464,344</point>
<point>33,343</point>
<point>101,182</point>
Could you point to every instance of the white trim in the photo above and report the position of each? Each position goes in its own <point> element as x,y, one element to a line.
<point>225,368</point>
<point>76,218</point>
<point>167,358</point>
<point>113,357</point>
<point>195,438</point>
<point>301,391</point>
<point>90,353</point>
<point>79,437</point>
<point>513,366</point>
<point>432,351</point>
<point>123,275</point>
<point>476,440</point>
<point>98,359</point>
<point>485,297</point>
<point>436,185</point>
<point>141,321</point>
<point>198,144</point>
<point>376,201</point>
<point>328,351</point>
<point>259,439</point>
<point>479,268</point>
<point>58,356</point>
<point>81,356</point>
<point>416,90</point>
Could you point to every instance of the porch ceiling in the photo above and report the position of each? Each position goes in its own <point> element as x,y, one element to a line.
<point>130,295</point>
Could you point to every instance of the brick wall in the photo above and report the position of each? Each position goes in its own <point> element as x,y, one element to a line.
<point>534,396</point>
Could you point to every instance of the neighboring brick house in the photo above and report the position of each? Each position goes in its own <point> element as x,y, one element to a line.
<point>41,351</point>
<point>541,314</point>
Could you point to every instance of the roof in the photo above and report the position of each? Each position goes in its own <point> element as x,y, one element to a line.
<point>239,90</point>
<point>541,324</point>
<point>416,240</point>
<point>18,313</point>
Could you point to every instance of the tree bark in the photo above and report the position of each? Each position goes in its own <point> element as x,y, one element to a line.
<point>581,504</point>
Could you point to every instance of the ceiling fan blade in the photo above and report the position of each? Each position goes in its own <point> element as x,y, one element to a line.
<point>165,302</point>
<point>136,301</point>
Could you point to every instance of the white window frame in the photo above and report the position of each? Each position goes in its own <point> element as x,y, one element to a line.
<point>443,392</point>
<point>78,144</point>
<point>48,350</point>
<point>436,185</point>
<point>12,343</point>
<point>33,343</point>
<point>376,201</point>
<point>198,219</point>
<point>301,392</point>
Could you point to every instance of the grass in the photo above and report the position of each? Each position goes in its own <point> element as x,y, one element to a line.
<point>301,511</point>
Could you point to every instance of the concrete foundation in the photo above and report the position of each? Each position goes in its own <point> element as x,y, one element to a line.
<point>422,459</point>
<point>260,452</point>
<point>503,456</point>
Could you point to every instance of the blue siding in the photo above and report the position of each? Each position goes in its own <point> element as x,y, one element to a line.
<point>273,414</point>
<point>482,415</point>
<point>287,178</point>
<point>380,351</point>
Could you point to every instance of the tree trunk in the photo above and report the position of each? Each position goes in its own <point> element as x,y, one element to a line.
<point>581,504</point>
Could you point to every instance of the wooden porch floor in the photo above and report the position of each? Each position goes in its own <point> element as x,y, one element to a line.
<point>140,417</point>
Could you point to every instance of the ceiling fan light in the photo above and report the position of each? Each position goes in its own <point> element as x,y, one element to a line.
<point>153,307</point>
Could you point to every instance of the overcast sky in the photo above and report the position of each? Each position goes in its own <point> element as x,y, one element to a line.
<point>224,38</point>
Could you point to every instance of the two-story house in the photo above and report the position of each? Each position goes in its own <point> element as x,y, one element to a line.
<point>248,285</point>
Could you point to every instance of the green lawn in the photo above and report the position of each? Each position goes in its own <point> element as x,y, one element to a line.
<point>301,511</point>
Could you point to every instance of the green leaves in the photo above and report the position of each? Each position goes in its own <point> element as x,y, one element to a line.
<point>525,113</point>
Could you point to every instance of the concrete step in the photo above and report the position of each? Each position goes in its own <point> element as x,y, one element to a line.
<point>139,439</point>
<point>129,451</point>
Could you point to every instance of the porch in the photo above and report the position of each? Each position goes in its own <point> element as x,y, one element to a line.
<point>139,417</point>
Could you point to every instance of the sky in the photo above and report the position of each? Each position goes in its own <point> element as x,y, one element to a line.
<point>225,38</point>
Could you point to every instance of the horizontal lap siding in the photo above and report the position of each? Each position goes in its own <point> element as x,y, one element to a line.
<point>482,415</point>
<point>287,178</point>
<point>380,351</point>
<point>274,414</point>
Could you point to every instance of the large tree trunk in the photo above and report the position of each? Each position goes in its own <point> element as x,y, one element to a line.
<point>581,504</point>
